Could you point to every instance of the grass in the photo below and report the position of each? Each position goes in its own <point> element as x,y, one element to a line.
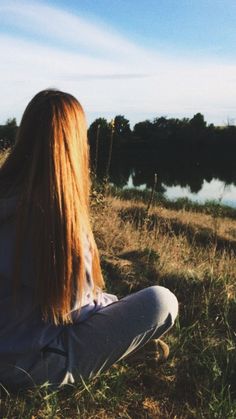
<point>211,207</point>
<point>3,156</point>
<point>193,254</point>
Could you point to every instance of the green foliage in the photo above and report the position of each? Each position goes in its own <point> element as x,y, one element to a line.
<point>8,133</point>
<point>121,126</point>
<point>198,122</point>
<point>11,122</point>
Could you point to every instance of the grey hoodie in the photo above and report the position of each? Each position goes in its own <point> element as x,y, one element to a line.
<point>22,329</point>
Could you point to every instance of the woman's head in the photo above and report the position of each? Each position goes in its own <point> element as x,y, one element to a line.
<point>50,166</point>
<point>52,139</point>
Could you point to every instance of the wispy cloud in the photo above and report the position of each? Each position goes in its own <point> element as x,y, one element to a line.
<point>55,24</point>
<point>44,46</point>
<point>108,76</point>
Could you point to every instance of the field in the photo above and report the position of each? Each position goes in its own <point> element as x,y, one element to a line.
<point>192,253</point>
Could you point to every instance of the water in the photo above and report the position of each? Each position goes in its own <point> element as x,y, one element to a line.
<point>214,190</point>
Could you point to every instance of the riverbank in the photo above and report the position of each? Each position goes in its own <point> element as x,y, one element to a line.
<point>211,207</point>
<point>193,254</point>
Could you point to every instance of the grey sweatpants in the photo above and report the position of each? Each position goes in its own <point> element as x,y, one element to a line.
<point>90,347</point>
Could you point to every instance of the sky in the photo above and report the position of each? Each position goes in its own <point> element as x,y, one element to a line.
<point>137,58</point>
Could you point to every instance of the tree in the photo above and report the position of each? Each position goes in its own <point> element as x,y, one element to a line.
<point>143,129</point>
<point>99,133</point>
<point>8,132</point>
<point>99,130</point>
<point>161,122</point>
<point>103,126</point>
<point>121,126</point>
<point>11,123</point>
<point>198,122</point>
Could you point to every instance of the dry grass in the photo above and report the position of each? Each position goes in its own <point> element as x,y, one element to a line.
<point>3,156</point>
<point>193,255</point>
<point>138,252</point>
<point>176,254</point>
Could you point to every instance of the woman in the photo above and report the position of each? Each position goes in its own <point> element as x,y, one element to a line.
<point>56,323</point>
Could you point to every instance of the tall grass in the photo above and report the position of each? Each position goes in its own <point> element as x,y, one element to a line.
<point>212,207</point>
<point>194,256</point>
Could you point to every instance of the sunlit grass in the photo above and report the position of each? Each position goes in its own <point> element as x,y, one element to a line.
<point>193,254</point>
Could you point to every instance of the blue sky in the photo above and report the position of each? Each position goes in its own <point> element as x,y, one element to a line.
<point>138,58</point>
<point>203,26</point>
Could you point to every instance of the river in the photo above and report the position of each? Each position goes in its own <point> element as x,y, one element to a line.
<point>214,190</point>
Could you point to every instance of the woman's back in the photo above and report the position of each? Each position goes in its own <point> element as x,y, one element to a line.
<point>49,166</point>
<point>56,323</point>
<point>21,327</point>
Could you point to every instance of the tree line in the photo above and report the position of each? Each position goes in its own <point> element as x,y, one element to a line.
<point>161,130</point>
<point>190,141</point>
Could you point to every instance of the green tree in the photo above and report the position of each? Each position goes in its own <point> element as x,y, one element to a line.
<point>143,130</point>
<point>121,126</point>
<point>11,123</point>
<point>198,122</point>
<point>103,127</point>
<point>8,132</point>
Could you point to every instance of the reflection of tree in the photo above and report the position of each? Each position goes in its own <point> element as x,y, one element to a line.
<point>171,170</point>
<point>120,172</point>
<point>196,185</point>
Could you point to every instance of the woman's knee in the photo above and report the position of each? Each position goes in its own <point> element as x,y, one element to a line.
<point>163,303</point>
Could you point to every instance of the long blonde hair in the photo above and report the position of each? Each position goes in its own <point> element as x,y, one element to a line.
<point>49,166</point>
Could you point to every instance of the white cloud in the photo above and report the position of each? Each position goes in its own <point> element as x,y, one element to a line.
<point>50,47</point>
<point>53,23</point>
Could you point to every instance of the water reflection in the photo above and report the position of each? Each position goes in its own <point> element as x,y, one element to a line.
<point>213,190</point>
<point>178,175</point>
